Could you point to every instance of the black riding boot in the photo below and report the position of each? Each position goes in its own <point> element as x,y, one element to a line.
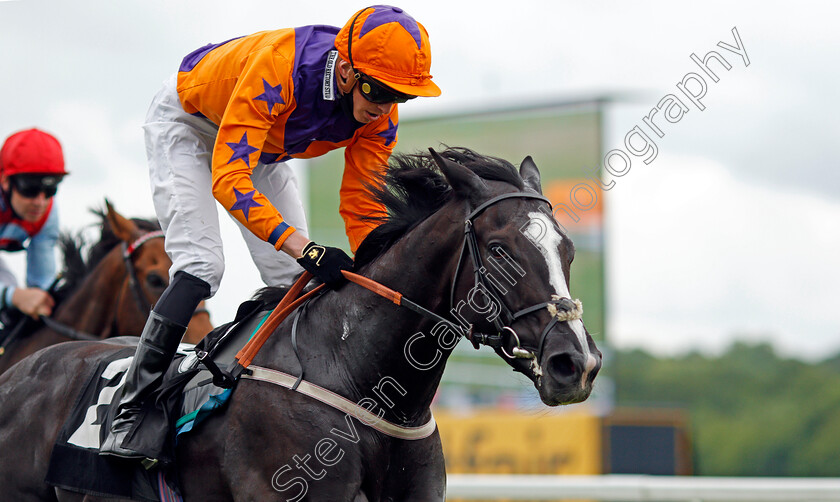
<point>155,351</point>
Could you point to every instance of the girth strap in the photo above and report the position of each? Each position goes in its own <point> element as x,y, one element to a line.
<point>341,403</point>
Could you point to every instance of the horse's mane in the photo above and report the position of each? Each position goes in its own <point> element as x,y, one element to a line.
<point>413,188</point>
<point>76,266</point>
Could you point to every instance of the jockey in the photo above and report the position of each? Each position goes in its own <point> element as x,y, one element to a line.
<point>221,130</point>
<point>31,167</point>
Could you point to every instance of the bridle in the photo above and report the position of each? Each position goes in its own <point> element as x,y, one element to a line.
<point>293,300</point>
<point>139,295</point>
<point>503,326</point>
<point>133,283</point>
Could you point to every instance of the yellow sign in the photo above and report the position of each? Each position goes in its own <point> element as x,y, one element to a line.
<point>500,442</point>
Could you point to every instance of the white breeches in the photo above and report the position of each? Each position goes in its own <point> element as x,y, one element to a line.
<point>179,147</point>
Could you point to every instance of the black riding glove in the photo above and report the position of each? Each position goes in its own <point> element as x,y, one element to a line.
<point>325,263</point>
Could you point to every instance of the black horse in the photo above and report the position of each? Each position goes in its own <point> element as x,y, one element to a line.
<point>475,245</point>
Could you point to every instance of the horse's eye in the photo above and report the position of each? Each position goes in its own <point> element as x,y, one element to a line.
<point>498,252</point>
<point>155,281</point>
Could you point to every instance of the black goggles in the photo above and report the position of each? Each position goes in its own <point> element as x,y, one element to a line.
<point>30,186</point>
<point>378,93</point>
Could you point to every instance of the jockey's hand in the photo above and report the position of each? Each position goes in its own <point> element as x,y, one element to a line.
<point>33,302</point>
<point>326,263</point>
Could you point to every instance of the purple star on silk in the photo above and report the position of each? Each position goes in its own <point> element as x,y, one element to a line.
<point>244,202</point>
<point>242,150</point>
<point>383,14</point>
<point>271,96</point>
<point>389,134</point>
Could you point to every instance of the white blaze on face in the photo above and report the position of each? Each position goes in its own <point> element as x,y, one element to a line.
<point>549,245</point>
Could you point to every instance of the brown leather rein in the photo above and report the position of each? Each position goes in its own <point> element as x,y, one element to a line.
<point>293,300</point>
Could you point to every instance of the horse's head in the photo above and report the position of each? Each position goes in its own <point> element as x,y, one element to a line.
<point>147,275</point>
<point>512,282</point>
<point>146,268</point>
<point>112,291</point>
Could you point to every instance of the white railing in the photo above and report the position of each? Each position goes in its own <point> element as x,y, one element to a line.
<point>621,488</point>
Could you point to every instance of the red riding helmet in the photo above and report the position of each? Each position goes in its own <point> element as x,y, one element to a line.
<point>387,44</point>
<point>31,152</point>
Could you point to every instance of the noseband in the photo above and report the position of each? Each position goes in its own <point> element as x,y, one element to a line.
<point>562,309</point>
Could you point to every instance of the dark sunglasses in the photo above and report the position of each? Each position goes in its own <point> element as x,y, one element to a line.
<point>30,186</point>
<point>378,93</point>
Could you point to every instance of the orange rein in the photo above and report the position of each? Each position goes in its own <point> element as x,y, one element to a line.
<point>290,302</point>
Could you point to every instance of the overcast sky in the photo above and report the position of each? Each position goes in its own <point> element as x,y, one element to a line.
<point>733,231</point>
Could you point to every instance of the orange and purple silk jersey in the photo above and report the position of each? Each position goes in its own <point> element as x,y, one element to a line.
<point>273,96</point>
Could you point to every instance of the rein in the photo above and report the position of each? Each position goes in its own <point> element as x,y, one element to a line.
<point>64,329</point>
<point>290,302</point>
<point>74,334</point>
<point>242,366</point>
<point>134,284</point>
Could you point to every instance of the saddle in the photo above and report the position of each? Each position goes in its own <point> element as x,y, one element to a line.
<point>187,395</point>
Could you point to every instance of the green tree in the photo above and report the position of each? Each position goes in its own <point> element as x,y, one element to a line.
<point>752,412</point>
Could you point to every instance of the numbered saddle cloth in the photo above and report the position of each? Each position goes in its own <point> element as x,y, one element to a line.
<point>187,392</point>
<point>75,463</point>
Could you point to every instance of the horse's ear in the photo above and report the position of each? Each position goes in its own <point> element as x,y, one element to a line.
<point>465,182</point>
<point>125,229</point>
<point>530,175</point>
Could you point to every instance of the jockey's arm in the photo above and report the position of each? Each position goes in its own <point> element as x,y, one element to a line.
<point>34,300</point>
<point>242,135</point>
<point>294,244</point>
<point>364,161</point>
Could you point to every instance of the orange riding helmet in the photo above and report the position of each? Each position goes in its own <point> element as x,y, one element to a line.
<point>388,45</point>
<point>32,152</point>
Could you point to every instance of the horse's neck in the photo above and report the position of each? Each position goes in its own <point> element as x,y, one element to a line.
<point>376,349</point>
<point>92,306</point>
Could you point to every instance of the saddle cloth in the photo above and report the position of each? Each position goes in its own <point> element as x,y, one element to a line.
<point>75,463</point>
<point>187,392</point>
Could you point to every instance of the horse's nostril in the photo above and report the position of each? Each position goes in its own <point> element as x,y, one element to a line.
<point>561,366</point>
<point>566,305</point>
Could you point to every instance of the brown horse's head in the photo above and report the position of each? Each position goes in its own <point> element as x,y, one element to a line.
<point>109,293</point>
<point>131,263</point>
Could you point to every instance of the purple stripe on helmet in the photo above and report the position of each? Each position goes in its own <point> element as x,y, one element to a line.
<point>383,14</point>
<point>192,59</point>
